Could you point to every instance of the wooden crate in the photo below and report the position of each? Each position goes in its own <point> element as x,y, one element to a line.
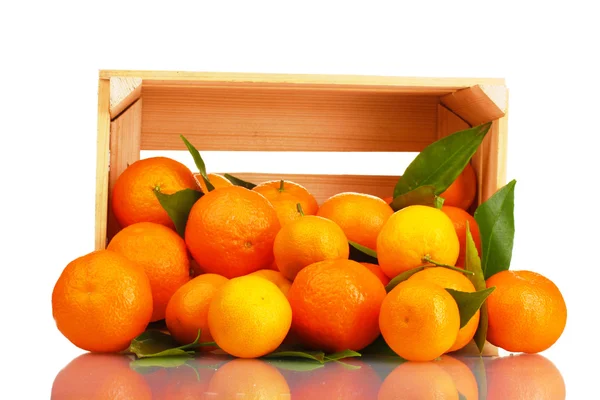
<point>148,110</point>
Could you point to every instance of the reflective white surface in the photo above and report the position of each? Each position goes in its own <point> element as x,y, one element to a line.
<point>92,376</point>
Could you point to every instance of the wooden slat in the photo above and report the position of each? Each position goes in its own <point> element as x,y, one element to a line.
<point>402,84</point>
<point>478,104</point>
<point>489,161</point>
<point>222,118</point>
<point>102,146</point>
<point>121,89</point>
<point>448,122</point>
<point>131,98</point>
<point>125,138</point>
<point>324,186</point>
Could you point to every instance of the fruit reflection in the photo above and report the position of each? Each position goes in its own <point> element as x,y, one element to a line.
<point>461,375</point>
<point>186,381</point>
<point>210,376</point>
<point>418,380</point>
<point>99,376</point>
<point>525,376</point>
<point>248,379</point>
<point>350,379</point>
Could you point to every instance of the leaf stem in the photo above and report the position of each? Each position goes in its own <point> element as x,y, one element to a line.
<point>281,186</point>
<point>427,259</point>
<point>299,208</point>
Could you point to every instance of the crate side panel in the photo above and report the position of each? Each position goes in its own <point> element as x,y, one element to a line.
<point>324,186</point>
<point>224,118</point>
<point>125,138</point>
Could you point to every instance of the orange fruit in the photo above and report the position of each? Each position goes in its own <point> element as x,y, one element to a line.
<point>285,196</point>
<point>419,320</point>
<point>418,380</point>
<point>231,231</point>
<point>526,312</point>
<point>218,181</point>
<point>276,277</point>
<point>133,199</point>
<point>102,301</point>
<point>450,279</point>
<point>273,266</point>
<point>99,376</point>
<point>462,191</point>
<point>461,375</point>
<point>361,216</point>
<point>335,305</point>
<point>248,379</point>
<point>413,233</point>
<point>249,317</point>
<point>524,377</point>
<point>376,269</point>
<point>162,254</point>
<point>306,241</point>
<point>353,380</point>
<point>187,311</point>
<point>459,218</point>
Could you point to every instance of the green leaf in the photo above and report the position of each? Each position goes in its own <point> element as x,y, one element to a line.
<point>423,195</point>
<point>303,365</point>
<point>341,355</point>
<point>160,344</point>
<point>178,206</point>
<point>428,259</point>
<point>199,163</point>
<point>364,250</point>
<point>461,396</point>
<point>496,221</point>
<point>469,303</point>
<point>151,342</point>
<point>318,356</point>
<point>439,202</point>
<point>380,348</point>
<point>402,277</point>
<point>473,264</point>
<point>239,182</point>
<point>440,163</point>
<point>142,365</point>
<point>359,256</point>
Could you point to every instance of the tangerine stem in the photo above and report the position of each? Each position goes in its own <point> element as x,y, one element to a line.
<point>281,186</point>
<point>299,208</point>
<point>428,259</point>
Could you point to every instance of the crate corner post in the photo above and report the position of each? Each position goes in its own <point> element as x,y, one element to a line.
<point>102,162</point>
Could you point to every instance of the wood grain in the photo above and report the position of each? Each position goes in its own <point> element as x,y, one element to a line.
<point>125,139</point>
<point>324,186</point>
<point>422,85</point>
<point>120,89</point>
<point>489,161</point>
<point>448,122</point>
<point>223,118</point>
<point>131,98</point>
<point>478,104</point>
<point>102,148</point>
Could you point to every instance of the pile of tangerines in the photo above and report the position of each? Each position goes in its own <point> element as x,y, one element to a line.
<point>258,268</point>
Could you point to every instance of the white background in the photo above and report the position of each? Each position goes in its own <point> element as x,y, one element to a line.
<point>51,53</point>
